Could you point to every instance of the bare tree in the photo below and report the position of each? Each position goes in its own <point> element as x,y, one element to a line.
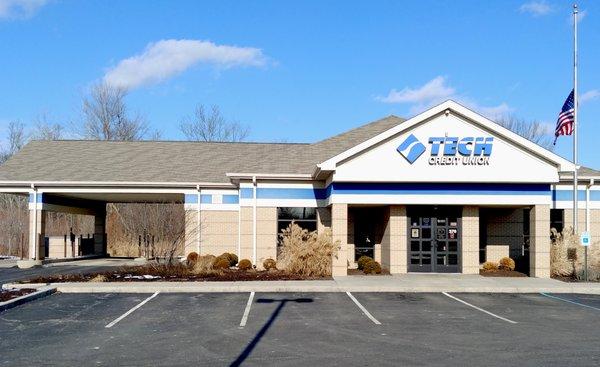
<point>212,126</point>
<point>534,131</point>
<point>106,117</point>
<point>45,130</point>
<point>160,225</point>
<point>13,224</point>
<point>16,140</point>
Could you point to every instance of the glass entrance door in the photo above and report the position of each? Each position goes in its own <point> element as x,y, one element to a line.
<point>434,239</point>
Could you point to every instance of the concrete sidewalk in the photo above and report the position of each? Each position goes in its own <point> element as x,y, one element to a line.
<point>416,283</point>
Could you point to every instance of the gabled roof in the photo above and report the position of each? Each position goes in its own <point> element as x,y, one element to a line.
<point>204,162</point>
<point>451,107</point>
<point>181,162</point>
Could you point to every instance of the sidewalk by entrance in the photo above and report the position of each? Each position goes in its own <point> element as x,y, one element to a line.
<point>417,283</point>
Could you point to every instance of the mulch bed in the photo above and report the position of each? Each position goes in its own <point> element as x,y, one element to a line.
<point>174,274</point>
<point>360,272</point>
<point>8,294</point>
<point>502,273</point>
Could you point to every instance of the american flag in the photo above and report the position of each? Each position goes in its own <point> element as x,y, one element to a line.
<point>566,118</point>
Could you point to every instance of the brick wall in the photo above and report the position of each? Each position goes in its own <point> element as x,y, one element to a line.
<point>470,240</point>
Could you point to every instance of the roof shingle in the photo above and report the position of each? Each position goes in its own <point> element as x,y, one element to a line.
<point>160,161</point>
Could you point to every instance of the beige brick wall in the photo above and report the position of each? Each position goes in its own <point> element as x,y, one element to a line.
<point>470,240</point>
<point>56,247</point>
<point>398,239</point>
<point>219,232</point>
<point>594,222</point>
<point>266,234</point>
<point>339,229</point>
<point>539,249</point>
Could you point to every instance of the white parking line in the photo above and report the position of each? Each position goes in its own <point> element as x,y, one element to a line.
<point>247,311</point>
<point>131,310</point>
<point>479,308</point>
<point>363,309</point>
<point>569,301</point>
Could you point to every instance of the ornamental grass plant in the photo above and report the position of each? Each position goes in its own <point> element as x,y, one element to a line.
<point>307,253</point>
<point>567,256</point>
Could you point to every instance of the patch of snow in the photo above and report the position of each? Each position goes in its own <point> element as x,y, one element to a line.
<point>145,276</point>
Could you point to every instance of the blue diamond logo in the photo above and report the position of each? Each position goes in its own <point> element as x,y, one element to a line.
<point>411,149</point>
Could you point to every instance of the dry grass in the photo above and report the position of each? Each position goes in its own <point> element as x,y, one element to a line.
<point>204,265</point>
<point>567,256</point>
<point>490,266</point>
<point>307,253</point>
<point>99,278</point>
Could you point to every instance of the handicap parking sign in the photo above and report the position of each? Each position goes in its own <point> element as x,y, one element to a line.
<point>585,239</point>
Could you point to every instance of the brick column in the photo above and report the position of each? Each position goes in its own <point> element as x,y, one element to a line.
<point>539,241</point>
<point>398,241</point>
<point>470,240</point>
<point>37,232</point>
<point>339,230</point>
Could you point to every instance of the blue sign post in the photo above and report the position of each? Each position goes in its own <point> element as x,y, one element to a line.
<point>585,241</point>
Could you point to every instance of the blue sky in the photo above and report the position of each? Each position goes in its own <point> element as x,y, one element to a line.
<point>300,71</point>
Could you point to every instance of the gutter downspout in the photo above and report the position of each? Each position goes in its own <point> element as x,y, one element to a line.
<point>34,251</point>
<point>198,220</point>
<point>587,204</point>
<point>254,202</point>
<point>239,244</point>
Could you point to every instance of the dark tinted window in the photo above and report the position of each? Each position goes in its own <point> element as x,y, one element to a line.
<point>306,218</point>
<point>557,219</point>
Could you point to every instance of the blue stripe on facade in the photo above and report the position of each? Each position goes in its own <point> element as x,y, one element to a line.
<point>341,188</point>
<point>567,195</point>
<point>284,193</point>
<point>246,193</point>
<point>193,199</point>
<point>231,199</point>
<point>438,189</point>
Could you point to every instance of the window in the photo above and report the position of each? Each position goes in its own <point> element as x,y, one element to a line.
<point>557,219</point>
<point>304,217</point>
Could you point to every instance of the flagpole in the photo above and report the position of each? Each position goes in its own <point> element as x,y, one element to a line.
<point>575,133</point>
<point>575,127</point>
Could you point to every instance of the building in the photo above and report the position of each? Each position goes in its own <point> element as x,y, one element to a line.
<point>440,192</point>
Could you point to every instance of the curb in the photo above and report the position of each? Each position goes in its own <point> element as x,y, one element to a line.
<point>71,259</point>
<point>296,286</point>
<point>41,292</point>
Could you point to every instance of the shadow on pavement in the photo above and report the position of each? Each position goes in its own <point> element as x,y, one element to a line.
<point>250,347</point>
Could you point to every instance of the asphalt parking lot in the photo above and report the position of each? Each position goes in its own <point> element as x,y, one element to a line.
<point>10,273</point>
<point>292,329</point>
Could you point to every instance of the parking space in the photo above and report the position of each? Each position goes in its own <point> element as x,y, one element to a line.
<point>302,329</point>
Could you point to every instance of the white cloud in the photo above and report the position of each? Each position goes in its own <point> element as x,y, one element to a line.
<point>20,9</point>
<point>433,92</point>
<point>590,95</point>
<point>437,91</point>
<point>536,8</point>
<point>166,58</point>
<point>493,112</point>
